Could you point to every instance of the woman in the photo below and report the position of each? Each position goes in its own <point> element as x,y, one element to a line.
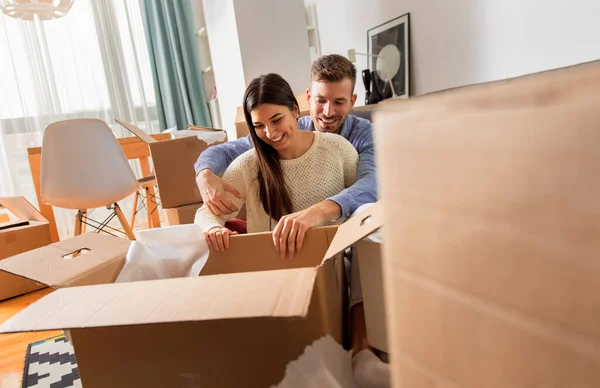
<point>288,170</point>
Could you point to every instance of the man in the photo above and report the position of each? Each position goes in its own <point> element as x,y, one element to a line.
<point>331,97</point>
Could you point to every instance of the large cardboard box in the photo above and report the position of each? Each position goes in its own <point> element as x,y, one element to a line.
<point>173,162</point>
<point>15,240</point>
<point>492,270</point>
<point>238,324</point>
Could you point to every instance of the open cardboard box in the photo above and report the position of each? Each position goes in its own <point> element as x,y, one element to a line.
<point>18,239</point>
<point>238,324</point>
<point>174,166</point>
<point>492,236</point>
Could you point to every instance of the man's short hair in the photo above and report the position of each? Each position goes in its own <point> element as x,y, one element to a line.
<point>333,68</point>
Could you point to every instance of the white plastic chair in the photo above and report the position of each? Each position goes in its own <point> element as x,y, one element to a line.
<point>84,167</point>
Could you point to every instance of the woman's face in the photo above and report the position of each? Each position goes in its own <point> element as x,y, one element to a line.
<point>276,125</point>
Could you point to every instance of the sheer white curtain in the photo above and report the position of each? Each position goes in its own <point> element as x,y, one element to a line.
<point>91,63</point>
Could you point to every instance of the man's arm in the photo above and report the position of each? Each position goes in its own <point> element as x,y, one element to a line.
<point>210,164</point>
<point>218,158</point>
<point>364,190</point>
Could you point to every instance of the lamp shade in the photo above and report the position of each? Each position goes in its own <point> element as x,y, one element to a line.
<point>44,9</point>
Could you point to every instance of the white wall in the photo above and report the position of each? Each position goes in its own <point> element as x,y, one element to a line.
<point>250,38</point>
<point>460,42</point>
<point>273,38</point>
<point>228,70</point>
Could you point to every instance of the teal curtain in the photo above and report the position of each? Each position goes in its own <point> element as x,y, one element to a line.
<point>175,61</point>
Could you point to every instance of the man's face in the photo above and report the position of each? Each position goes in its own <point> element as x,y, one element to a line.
<point>330,103</point>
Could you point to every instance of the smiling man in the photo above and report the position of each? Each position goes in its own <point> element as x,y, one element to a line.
<point>331,98</point>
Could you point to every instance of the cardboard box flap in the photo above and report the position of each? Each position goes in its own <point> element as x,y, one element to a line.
<point>244,256</point>
<point>22,208</point>
<point>276,294</point>
<point>52,265</point>
<point>192,127</point>
<point>137,132</point>
<point>356,228</point>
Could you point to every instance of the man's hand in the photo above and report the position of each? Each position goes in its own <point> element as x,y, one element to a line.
<point>218,238</point>
<point>214,193</point>
<point>288,235</point>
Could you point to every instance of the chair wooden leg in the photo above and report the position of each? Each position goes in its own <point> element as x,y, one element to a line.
<point>83,224</point>
<point>148,210</point>
<point>123,222</point>
<point>134,211</point>
<point>78,223</point>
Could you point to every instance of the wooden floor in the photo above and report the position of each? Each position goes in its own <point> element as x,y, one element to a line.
<point>13,346</point>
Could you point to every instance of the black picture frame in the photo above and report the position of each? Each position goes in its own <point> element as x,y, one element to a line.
<point>397,32</point>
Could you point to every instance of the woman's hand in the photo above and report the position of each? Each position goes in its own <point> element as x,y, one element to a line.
<point>288,235</point>
<point>217,238</point>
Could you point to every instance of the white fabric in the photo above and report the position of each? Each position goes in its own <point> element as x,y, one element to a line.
<point>91,63</point>
<point>165,253</point>
<point>209,137</point>
<point>324,363</point>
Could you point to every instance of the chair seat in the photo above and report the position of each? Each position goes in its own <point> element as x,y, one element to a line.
<point>89,200</point>
<point>83,166</point>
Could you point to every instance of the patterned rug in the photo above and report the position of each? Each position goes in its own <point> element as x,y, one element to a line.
<point>51,364</point>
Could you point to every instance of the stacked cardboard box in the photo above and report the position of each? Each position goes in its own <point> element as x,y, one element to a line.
<point>173,162</point>
<point>17,239</point>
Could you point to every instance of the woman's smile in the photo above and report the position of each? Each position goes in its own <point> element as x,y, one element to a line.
<point>277,139</point>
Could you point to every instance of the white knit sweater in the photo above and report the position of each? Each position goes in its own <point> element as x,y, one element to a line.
<point>328,167</point>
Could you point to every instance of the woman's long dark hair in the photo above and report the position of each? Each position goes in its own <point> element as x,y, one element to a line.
<point>273,193</point>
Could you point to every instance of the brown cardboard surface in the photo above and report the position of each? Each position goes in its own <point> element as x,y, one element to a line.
<point>284,293</point>
<point>22,208</point>
<point>259,253</point>
<point>371,279</point>
<point>173,162</point>
<point>491,255</point>
<point>16,240</point>
<point>181,214</point>
<point>247,353</point>
<point>24,238</point>
<point>137,131</point>
<point>174,169</point>
<point>12,285</point>
<point>48,266</point>
<point>357,228</point>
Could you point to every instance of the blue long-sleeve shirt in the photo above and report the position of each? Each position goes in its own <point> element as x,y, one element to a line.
<point>356,130</point>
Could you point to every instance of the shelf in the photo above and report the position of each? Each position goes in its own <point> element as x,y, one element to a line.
<point>201,33</point>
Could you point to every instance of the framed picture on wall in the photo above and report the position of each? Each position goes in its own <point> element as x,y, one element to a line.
<point>388,47</point>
